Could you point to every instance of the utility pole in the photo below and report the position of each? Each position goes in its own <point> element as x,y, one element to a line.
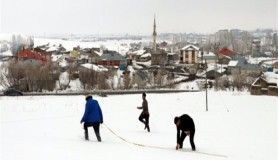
<point>206,86</point>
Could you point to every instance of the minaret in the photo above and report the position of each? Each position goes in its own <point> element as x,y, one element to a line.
<point>154,35</point>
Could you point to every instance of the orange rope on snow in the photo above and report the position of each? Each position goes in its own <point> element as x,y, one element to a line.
<point>158,147</point>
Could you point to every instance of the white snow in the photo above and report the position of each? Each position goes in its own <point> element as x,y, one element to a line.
<point>190,45</point>
<point>189,86</point>
<point>121,46</point>
<point>206,54</point>
<point>64,78</point>
<point>148,63</point>
<point>271,77</point>
<point>56,57</point>
<point>220,68</point>
<point>146,55</point>
<point>7,53</point>
<point>98,68</point>
<point>63,63</point>
<point>139,52</point>
<point>259,59</point>
<point>237,125</point>
<point>171,54</point>
<point>233,63</point>
<point>52,48</point>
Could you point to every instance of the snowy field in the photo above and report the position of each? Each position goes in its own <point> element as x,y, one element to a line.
<point>121,46</point>
<point>237,126</point>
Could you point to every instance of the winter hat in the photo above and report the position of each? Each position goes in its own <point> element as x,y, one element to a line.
<point>144,94</point>
<point>88,97</point>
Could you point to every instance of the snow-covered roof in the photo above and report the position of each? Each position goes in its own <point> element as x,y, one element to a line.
<point>218,68</point>
<point>268,53</point>
<point>7,53</point>
<point>206,54</point>
<point>232,63</point>
<point>98,68</point>
<point>146,55</point>
<point>98,53</point>
<point>51,49</point>
<point>139,52</point>
<point>190,47</point>
<point>148,63</point>
<point>271,77</point>
<point>171,54</point>
<point>258,60</point>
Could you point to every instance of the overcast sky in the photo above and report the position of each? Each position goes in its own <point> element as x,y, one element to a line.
<point>135,16</point>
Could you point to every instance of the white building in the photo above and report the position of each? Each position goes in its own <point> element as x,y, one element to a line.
<point>189,54</point>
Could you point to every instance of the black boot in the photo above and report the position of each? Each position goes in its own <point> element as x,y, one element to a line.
<point>99,138</point>
<point>148,128</point>
<point>86,136</point>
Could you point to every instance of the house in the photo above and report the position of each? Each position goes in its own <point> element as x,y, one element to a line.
<point>159,57</point>
<point>144,57</point>
<point>189,54</point>
<point>265,85</point>
<point>225,55</point>
<point>135,55</point>
<point>213,74</point>
<point>214,71</point>
<point>275,65</point>
<point>95,55</point>
<point>113,59</point>
<point>172,57</point>
<point>75,53</point>
<point>241,66</point>
<point>27,54</point>
<point>97,68</point>
<point>209,57</point>
<point>163,44</point>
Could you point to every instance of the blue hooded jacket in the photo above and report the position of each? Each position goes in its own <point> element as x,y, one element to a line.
<point>93,112</point>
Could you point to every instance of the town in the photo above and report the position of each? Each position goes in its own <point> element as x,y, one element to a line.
<point>138,80</point>
<point>229,59</point>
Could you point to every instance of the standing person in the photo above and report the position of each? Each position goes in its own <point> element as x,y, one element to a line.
<point>144,116</point>
<point>92,117</point>
<point>185,125</point>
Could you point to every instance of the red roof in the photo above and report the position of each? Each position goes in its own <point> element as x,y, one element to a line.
<point>275,65</point>
<point>30,54</point>
<point>227,52</point>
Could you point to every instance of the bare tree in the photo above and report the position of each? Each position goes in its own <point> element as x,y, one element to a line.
<point>238,81</point>
<point>102,80</point>
<point>29,76</point>
<point>160,77</point>
<point>127,81</point>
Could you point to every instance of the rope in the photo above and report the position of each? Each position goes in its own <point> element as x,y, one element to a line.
<point>158,147</point>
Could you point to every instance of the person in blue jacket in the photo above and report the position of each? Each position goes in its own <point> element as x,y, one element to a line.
<point>92,117</point>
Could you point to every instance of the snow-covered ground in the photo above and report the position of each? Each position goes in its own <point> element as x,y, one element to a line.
<point>237,126</point>
<point>121,46</point>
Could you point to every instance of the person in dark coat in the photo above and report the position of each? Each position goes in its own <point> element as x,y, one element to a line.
<point>185,125</point>
<point>92,117</point>
<point>144,116</point>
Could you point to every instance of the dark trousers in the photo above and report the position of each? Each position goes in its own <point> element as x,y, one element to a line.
<point>96,129</point>
<point>144,118</point>
<point>191,139</point>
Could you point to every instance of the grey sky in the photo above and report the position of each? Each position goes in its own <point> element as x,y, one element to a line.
<point>135,16</point>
